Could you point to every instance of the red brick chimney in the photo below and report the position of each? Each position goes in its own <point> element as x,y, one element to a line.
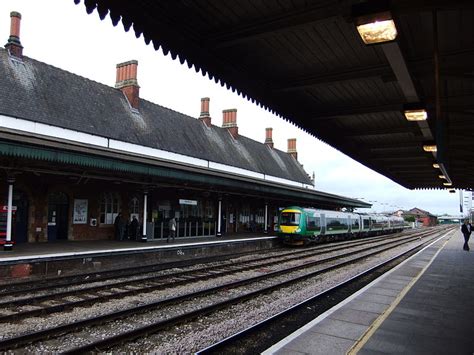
<point>204,117</point>
<point>127,82</point>
<point>229,121</point>
<point>292,148</point>
<point>268,137</point>
<point>13,45</point>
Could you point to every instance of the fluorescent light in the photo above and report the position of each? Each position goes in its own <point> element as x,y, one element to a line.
<point>442,176</point>
<point>430,147</point>
<point>416,115</point>
<point>447,183</point>
<point>436,165</point>
<point>377,31</point>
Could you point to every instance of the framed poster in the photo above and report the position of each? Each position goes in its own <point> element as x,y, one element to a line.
<point>80,212</point>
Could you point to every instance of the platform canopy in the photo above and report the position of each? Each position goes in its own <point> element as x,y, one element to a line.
<point>305,61</point>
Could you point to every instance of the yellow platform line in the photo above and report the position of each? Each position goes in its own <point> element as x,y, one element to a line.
<point>378,322</point>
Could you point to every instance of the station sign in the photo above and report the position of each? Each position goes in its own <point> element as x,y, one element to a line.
<point>188,202</point>
<point>4,208</point>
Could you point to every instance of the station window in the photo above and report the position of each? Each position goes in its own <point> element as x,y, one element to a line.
<point>244,216</point>
<point>209,209</point>
<point>134,206</point>
<point>192,211</point>
<point>109,207</point>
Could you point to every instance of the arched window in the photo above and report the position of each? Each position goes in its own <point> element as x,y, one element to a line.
<point>134,206</point>
<point>109,207</point>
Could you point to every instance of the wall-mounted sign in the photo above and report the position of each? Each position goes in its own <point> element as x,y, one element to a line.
<point>80,212</point>
<point>188,202</point>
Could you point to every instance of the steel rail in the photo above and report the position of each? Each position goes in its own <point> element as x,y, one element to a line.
<point>209,273</point>
<point>16,288</point>
<point>287,316</point>
<point>152,328</point>
<point>47,333</point>
<point>126,272</point>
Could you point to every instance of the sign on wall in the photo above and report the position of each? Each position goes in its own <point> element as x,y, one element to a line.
<point>188,202</point>
<point>80,212</point>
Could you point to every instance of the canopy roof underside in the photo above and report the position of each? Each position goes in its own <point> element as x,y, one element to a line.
<point>304,61</point>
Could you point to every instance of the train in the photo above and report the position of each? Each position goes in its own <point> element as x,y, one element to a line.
<point>301,226</point>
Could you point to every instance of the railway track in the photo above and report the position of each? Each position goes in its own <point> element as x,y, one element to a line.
<point>261,336</point>
<point>301,266</point>
<point>11,308</point>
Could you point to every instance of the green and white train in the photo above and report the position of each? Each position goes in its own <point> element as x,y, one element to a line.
<point>297,225</point>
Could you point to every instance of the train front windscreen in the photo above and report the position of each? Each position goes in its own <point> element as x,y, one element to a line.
<point>290,218</point>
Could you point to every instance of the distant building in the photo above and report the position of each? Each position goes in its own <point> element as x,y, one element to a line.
<point>450,219</point>
<point>422,216</point>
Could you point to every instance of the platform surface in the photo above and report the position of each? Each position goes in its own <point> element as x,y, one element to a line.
<point>424,306</point>
<point>71,248</point>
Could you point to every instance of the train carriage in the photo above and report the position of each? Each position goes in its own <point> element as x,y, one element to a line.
<point>298,226</point>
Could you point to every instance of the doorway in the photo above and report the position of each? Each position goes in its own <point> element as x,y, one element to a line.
<point>58,216</point>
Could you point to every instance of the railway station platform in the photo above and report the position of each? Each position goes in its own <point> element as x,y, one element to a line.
<point>423,306</point>
<point>38,260</point>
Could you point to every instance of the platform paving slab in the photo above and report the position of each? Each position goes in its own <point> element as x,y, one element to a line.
<point>433,315</point>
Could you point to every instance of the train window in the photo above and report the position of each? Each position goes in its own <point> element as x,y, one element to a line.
<point>366,223</point>
<point>313,223</point>
<point>336,224</point>
<point>290,219</point>
<point>355,223</point>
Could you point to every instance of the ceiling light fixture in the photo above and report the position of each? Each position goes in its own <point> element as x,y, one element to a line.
<point>436,165</point>
<point>374,22</point>
<point>430,147</point>
<point>442,176</point>
<point>415,111</point>
<point>416,115</point>
<point>447,183</point>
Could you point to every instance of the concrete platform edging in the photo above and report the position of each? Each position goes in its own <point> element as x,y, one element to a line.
<point>280,346</point>
<point>76,263</point>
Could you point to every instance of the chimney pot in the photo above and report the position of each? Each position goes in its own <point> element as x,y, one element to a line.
<point>229,118</point>
<point>292,148</point>
<point>268,137</point>
<point>126,81</point>
<point>13,45</point>
<point>204,116</point>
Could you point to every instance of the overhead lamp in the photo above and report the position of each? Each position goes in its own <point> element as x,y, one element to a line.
<point>447,183</point>
<point>416,115</point>
<point>415,111</point>
<point>374,22</point>
<point>436,165</point>
<point>430,147</point>
<point>442,177</point>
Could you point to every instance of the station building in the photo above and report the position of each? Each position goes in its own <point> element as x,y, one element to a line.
<point>74,153</point>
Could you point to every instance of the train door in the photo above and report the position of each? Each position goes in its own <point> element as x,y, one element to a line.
<point>58,216</point>
<point>323,224</point>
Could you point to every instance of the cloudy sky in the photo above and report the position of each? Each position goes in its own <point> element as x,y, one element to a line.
<point>60,33</point>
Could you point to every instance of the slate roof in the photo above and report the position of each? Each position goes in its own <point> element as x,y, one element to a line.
<point>35,91</point>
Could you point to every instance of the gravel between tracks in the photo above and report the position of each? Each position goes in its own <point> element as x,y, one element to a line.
<point>190,337</point>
